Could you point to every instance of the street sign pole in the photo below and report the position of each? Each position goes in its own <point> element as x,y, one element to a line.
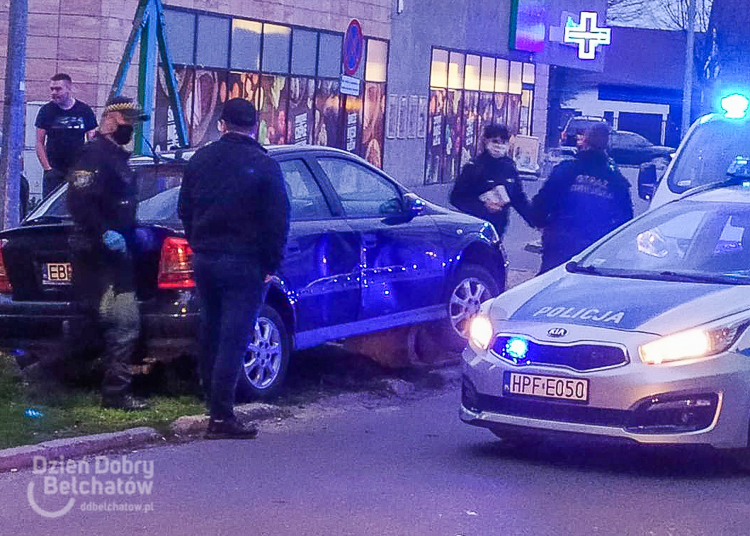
<point>13,113</point>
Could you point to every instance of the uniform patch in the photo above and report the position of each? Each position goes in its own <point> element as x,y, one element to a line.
<point>82,178</point>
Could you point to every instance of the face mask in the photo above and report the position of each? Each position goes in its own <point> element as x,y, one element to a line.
<point>123,134</point>
<point>497,150</point>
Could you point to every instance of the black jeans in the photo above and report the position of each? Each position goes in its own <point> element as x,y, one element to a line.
<point>230,292</point>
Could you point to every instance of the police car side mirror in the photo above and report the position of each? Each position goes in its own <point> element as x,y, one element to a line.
<point>647,181</point>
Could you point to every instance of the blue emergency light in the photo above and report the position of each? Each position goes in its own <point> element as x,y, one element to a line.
<point>735,106</point>
<point>517,348</point>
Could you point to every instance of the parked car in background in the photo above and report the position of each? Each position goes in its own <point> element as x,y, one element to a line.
<point>630,148</point>
<point>577,125</point>
<point>364,254</point>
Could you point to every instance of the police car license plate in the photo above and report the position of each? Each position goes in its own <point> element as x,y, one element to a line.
<point>546,386</point>
<point>57,273</point>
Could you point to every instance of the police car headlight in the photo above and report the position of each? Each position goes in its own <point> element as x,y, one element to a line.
<point>691,344</point>
<point>480,332</point>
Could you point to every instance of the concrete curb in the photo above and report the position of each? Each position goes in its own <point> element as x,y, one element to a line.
<point>19,457</point>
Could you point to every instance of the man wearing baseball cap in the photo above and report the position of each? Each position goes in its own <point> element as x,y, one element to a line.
<point>235,210</point>
<point>102,198</point>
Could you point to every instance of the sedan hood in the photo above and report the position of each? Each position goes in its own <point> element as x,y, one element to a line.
<point>659,307</point>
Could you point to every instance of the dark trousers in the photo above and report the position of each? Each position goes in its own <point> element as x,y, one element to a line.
<point>230,292</point>
<point>105,294</point>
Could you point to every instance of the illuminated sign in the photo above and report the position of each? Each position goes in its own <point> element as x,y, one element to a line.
<point>587,35</point>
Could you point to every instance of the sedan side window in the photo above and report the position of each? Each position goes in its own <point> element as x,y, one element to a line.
<point>306,199</point>
<point>363,193</point>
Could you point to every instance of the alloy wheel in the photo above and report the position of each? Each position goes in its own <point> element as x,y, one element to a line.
<point>466,299</point>
<point>264,354</point>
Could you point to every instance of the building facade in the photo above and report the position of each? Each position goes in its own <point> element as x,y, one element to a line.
<point>410,94</point>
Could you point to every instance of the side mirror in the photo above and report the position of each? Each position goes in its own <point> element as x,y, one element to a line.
<point>647,181</point>
<point>415,206</point>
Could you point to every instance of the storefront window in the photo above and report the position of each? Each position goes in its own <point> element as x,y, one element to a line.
<point>180,35</point>
<point>246,45</point>
<point>329,55</point>
<point>304,52</point>
<point>291,74</point>
<point>276,43</point>
<point>213,41</point>
<point>467,92</point>
<point>377,61</point>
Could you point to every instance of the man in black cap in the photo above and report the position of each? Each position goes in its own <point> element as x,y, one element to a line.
<point>102,198</point>
<point>235,210</point>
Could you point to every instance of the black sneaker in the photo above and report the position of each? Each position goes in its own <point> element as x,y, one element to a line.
<point>230,429</point>
<point>125,403</point>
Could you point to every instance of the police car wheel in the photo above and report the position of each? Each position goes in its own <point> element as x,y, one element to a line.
<point>472,285</point>
<point>266,362</point>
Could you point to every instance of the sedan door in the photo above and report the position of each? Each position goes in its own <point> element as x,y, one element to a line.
<point>402,257</point>
<point>321,266</point>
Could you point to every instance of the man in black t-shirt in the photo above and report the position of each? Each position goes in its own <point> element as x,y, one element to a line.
<point>62,127</point>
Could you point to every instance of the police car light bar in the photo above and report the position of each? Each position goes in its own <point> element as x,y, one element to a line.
<point>735,106</point>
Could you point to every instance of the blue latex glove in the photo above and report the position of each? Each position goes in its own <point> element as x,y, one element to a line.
<point>114,241</point>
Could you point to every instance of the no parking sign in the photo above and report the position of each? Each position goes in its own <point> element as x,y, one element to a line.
<point>354,44</point>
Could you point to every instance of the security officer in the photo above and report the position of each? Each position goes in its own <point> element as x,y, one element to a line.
<point>582,200</point>
<point>493,168</point>
<point>102,201</point>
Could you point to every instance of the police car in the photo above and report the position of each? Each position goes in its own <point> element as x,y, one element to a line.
<point>643,337</point>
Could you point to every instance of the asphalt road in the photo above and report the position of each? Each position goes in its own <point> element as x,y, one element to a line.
<point>395,468</point>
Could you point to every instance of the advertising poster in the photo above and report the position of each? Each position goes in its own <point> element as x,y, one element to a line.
<point>411,125</point>
<point>272,105</point>
<point>453,134</point>
<point>526,153</point>
<point>210,95</point>
<point>373,125</point>
<point>301,110</point>
<point>471,135</point>
<point>514,114</point>
<point>244,86</point>
<point>392,116</point>
<point>403,116</point>
<point>501,108</point>
<point>328,125</point>
<point>165,130</point>
<point>435,144</point>
<point>485,114</point>
<point>422,117</point>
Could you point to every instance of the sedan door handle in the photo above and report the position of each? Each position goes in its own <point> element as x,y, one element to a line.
<point>369,241</point>
<point>293,246</point>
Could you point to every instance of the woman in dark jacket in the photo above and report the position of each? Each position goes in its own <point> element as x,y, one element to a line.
<point>476,189</point>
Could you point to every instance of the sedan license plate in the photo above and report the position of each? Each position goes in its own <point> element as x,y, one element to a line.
<point>546,386</point>
<point>57,273</point>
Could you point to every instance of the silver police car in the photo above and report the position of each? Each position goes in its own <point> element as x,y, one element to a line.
<point>643,337</point>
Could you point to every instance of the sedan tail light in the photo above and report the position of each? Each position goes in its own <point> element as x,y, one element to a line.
<point>176,264</point>
<point>5,286</point>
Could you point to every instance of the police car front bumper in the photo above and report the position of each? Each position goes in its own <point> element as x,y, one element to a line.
<point>705,402</point>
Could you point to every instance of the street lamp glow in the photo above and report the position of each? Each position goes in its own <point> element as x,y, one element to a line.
<point>735,106</point>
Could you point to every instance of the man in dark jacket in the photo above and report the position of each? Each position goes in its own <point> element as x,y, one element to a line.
<point>102,201</point>
<point>582,200</point>
<point>235,209</point>
<point>480,188</point>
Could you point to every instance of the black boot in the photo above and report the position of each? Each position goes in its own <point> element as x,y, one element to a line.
<point>124,402</point>
<point>230,429</point>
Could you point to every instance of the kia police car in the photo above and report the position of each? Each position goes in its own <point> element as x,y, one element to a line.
<point>643,337</point>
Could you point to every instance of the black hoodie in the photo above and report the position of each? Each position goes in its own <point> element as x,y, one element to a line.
<point>481,175</point>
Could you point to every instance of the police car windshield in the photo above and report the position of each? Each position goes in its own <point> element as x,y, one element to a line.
<point>708,153</point>
<point>683,241</point>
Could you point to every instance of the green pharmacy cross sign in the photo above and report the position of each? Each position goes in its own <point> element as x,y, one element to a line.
<point>587,35</point>
<point>149,30</point>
